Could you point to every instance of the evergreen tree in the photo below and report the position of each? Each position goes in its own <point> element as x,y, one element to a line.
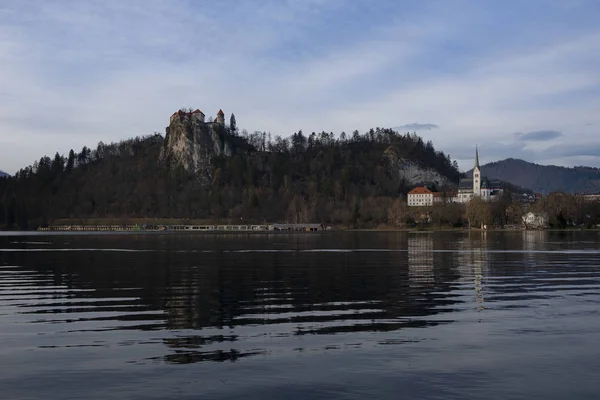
<point>233,125</point>
<point>2,215</point>
<point>70,161</point>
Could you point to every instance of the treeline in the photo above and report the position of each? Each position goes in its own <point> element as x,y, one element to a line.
<point>351,179</point>
<point>563,211</point>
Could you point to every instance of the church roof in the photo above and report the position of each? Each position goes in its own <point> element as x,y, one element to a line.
<point>465,183</point>
<point>476,157</point>
<point>487,183</point>
<point>420,190</point>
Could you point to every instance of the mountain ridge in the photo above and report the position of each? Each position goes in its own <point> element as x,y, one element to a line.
<point>544,178</point>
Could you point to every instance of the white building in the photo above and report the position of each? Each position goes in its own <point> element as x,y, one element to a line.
<point>420,196</point>
<point>533,220</point>
<point>478,185</point>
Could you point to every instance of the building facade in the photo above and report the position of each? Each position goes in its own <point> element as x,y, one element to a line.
<point>199,116</point>
<point>478,186</point>
<point>420,196</point>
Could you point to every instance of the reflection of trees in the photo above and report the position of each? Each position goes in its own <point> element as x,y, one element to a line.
<point>199,283</point>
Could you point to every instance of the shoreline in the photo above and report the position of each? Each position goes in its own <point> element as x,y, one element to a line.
<point>90,231</point>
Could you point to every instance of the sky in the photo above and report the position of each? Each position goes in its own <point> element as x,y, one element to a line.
<point>518,78</point>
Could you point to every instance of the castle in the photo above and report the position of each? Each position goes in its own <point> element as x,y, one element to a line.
<point>199,116</point>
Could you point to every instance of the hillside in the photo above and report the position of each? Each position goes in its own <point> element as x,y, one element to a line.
<point>238,177</point>
<point>3,174</point>
<point>544,178</point>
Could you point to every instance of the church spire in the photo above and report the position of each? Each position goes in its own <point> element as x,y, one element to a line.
<point>476,157</point>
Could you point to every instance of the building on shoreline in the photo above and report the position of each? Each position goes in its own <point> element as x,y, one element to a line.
<point>478,186</point>
<point>420,196</point>
<point>468,188</point>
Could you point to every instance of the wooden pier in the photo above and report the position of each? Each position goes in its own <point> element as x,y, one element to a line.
<point>186,228</point>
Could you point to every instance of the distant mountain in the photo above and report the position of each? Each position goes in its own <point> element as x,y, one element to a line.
<point>544,178</point>
<point>3,174</point>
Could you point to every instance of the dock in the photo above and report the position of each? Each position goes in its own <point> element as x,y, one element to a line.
<point>186,228</point>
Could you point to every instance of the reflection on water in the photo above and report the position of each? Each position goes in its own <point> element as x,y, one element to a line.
<point>346,299</point>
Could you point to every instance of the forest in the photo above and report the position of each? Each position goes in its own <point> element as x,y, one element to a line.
<point>350,179</point>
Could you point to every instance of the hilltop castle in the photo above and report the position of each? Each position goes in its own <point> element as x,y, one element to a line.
<point>199,116</point>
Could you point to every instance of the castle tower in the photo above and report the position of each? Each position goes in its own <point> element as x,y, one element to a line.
<point>220,118</point>
<point>476,175</point>
<point>199,115</point>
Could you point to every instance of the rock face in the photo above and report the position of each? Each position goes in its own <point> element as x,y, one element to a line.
<point>414,174</point>
<point>191,144</point>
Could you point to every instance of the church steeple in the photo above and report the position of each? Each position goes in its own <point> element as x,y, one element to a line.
<point>477,175</point>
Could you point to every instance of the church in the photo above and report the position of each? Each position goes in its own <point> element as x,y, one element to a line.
<point>478,186</point>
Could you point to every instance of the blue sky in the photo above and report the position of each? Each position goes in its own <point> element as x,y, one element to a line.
<point>519,78</point>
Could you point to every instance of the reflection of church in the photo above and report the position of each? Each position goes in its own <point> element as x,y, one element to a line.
<point>473,261</point>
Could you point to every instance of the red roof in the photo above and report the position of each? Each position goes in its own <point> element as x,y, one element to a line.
<point>197,111</point>
<point>220,112</point>
<point>420,190</point>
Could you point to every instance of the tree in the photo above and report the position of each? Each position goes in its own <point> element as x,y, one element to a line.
<point>233,125</point>
<point>299,142</point>
<point>70,161</point>
<point>11,213</point>
<point>83,157</point>
<point>478,213</point>
<point>396,214</point>
<point>2,215</point>
<point>356,214</point>
<point>58,165</point>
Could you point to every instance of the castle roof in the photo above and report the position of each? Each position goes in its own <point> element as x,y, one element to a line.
<point>220,112</point>
<point>420,190</point>
<point>197,111</point>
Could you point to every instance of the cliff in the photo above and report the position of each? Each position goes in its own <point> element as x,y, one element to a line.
<point>413,173</point>
<point>192,144</point>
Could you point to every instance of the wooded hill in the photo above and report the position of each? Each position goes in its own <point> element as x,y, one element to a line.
<point>319,178</point>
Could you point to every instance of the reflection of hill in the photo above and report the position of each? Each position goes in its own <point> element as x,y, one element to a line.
<point>277,288</point>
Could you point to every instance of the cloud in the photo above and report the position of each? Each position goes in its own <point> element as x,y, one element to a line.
<point>76,73</point>
<point>415,127</point>
<point>536,136</point>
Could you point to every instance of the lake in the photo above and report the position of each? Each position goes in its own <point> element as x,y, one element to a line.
<point>455,315</point>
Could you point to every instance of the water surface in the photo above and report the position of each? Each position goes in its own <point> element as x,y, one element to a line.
<point>334,315</point>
